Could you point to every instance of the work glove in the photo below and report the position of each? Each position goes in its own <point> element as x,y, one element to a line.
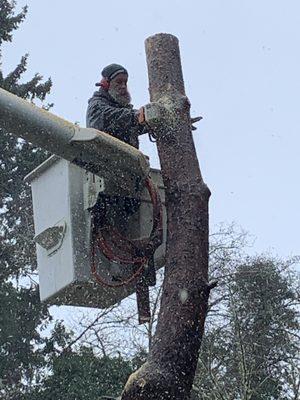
<point>141,118</point>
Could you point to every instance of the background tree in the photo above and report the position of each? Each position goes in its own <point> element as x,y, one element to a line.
<point>83,375</point>
<point>22,317</point>
<point>251,352</point>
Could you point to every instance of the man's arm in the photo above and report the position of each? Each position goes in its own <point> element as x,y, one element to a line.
<point>111,119</point>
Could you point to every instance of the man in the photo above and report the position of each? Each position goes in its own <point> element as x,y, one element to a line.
<point>110,110</point>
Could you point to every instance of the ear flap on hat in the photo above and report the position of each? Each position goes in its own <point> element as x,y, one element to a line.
<point>104,83</point>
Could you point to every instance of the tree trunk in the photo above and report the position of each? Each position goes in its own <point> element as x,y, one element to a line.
<point>170,368</point>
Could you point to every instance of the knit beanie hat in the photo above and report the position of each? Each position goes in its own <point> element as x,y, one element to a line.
<point>109,72</point>
<point>113,70</point>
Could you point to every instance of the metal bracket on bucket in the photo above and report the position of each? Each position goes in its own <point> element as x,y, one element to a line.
<point>51,238</point>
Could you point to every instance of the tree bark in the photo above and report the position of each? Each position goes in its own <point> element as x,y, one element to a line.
<point>170,368</point>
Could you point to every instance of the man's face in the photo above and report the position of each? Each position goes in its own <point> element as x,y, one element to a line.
<point>118,89</point>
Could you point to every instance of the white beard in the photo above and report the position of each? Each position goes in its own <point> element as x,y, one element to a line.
<point>124,100</point>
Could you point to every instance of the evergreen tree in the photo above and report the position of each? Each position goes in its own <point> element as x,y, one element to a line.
<point>249,354</point>
<point>21,313</point>
<point>82,375</point>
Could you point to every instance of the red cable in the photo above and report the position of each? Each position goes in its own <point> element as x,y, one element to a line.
<point>126,282</point>
<point>156,233</point>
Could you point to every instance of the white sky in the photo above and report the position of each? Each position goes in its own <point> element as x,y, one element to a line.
<point>241,67</point>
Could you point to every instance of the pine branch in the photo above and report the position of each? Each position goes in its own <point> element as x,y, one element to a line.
<point>8,21</point>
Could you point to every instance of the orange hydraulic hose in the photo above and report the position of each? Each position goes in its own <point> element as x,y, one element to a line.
<point>137,246</point>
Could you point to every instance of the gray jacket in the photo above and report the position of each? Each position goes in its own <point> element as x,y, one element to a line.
<point>105,114</point>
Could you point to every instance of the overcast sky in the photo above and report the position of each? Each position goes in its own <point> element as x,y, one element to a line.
<point>241,67</point>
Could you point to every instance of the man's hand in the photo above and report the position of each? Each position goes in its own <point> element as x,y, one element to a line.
<point>142,120</point>
<point>193,121</point>
<point>141,115</point>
